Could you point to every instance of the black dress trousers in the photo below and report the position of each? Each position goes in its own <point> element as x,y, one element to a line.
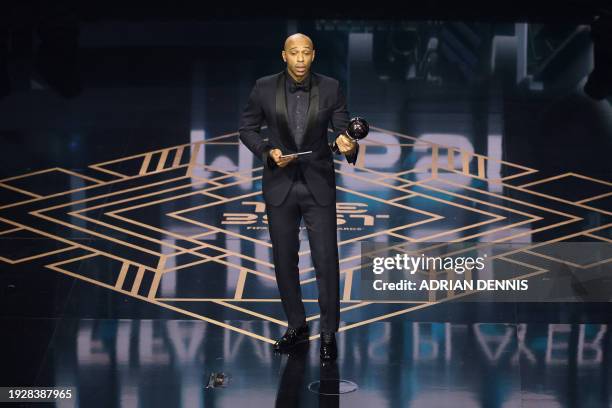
<point>321,224</point>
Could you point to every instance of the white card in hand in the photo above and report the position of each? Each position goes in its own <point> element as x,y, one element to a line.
<point>284,156</point>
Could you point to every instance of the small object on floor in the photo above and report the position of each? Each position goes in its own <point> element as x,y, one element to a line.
<point>216,380</point>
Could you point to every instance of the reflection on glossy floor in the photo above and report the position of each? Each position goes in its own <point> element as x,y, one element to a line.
<point>168,362</point>
<point>136,259</point>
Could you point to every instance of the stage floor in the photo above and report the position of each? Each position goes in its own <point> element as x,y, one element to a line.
<point>136,278</point>
<point>168,361</point>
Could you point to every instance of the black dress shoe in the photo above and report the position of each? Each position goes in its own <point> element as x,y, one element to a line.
<point>291,338</point>
<point>329,351</point>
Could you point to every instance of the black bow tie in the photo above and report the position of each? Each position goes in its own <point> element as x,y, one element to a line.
<point>301,86</point>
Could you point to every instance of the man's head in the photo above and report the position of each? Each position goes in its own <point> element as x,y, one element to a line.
<point>298,54</point>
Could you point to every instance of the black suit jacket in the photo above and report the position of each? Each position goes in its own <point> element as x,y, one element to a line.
<point>267,103</point>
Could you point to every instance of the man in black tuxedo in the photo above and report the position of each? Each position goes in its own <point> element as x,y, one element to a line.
<point>297,106</point>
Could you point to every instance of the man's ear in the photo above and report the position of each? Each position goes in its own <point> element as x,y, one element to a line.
<point>284,56</point>
<point>313,54</point>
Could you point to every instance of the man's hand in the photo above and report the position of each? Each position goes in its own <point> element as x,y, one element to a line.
<point>276,156</point>
<point>345,144</point>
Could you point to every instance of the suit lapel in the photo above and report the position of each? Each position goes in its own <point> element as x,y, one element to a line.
<point>282,115</point>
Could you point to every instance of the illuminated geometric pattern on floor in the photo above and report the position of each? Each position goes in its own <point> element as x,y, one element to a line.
<point>184,227</point>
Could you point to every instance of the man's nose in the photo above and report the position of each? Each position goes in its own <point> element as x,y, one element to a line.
<point>300,57</point>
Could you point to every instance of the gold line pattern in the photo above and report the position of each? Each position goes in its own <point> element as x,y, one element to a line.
<point>171,178</point>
